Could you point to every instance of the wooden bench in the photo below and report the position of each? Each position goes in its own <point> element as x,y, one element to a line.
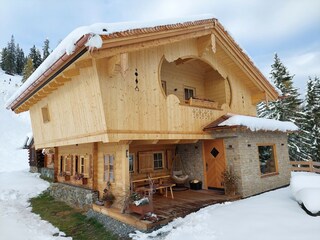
<point>157,186</point>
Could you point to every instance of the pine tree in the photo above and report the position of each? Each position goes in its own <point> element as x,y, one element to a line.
<point>8,59</point>
<point>286,108</point>
<point>28,69</point>
<point>20,60</point>
<point>312,110</point>
<point>35,56</point>
<point>45,50</point>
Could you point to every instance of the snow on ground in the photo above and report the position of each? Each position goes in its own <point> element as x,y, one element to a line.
<point>305,188</point>
<point>16,220</point>
<point>13,128</point>
<point>273,215</point>
<point>17,185</point>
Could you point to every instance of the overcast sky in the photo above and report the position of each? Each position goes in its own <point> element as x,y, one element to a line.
<point>290,28</point>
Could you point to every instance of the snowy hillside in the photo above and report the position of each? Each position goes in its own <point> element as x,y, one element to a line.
<point>13,128</point>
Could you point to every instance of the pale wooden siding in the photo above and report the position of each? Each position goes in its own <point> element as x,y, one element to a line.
<point>75,111</point>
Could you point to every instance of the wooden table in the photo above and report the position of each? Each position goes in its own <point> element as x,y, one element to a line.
<point>161,186</point>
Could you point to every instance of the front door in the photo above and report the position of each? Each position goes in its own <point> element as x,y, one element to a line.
<point>215,162</point>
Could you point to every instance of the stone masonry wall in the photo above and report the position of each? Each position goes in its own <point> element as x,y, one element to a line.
<point>72,195</point>
<point>241,148</point>
<point>192,161</point>
<point>47,172</point>
<point>251,179</point>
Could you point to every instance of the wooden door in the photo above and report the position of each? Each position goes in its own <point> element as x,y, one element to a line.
<point>215,162</point>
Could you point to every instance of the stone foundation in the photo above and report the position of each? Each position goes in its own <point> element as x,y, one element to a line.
<point>72,195</point>
<point>47,172</point>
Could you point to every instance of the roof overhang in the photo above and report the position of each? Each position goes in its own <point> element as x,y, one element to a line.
<point>118,42</point>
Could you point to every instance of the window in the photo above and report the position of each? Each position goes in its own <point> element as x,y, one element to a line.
<point>84,166</point>
<point>67,165</point>
<point>267,159</point>
<point>188,93</point>
<point>109,168</point>
<point>158,160</point>
<point>150,161</point>
<point>76,165</point>
<point>131,162</point>
<point>45,114</point>
<point>61,164</point>
<point>164,86</point>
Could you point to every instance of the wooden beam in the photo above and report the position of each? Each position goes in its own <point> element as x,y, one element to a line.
<point>171,141</point>
<point>49,89</point>
<point>109,49</point>
<point>188,141</point>
<point>144,142</point>
<point>258,97</point>
<point>62,79</point>
<point>56,164</point>
<point>124,63</point>
<point>206,43</point>
<point>113,65</point>
<point>71,72</point>
<point>95,166</point>
<point>84,63</point>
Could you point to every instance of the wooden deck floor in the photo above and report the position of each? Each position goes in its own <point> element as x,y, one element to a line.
<point>186,202</point>
<point>167,209</point>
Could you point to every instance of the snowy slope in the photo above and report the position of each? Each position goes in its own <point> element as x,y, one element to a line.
<point>13,128</point>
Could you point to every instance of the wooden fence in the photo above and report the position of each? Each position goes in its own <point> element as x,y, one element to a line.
<point>305,166</point>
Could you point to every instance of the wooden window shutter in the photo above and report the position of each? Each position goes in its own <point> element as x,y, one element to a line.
<point>106,168</point>
<point>145,162</point>
<point>86,172</point>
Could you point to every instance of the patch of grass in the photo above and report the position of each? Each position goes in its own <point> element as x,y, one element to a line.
<point>71,221</point>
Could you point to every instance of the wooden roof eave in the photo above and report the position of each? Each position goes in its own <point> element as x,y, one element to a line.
<point>237,54</point>
<point>152,39</point>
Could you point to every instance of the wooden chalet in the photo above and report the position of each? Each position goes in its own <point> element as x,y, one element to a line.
<point>124,112</point>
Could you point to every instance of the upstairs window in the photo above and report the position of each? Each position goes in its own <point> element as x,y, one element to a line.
<point>267,159</point>
<point>188,93</point>
<point>45,114</point>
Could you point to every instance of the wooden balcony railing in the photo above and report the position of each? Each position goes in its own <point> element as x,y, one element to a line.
<point>305,166</point>
<point>197,102</point>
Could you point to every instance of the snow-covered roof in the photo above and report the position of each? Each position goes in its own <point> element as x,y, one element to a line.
<point>93,32</point>
<point>253,123</point>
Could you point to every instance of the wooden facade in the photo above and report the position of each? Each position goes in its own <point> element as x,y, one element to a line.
<point>120,111</point>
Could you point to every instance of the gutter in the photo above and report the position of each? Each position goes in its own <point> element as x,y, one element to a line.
<point>40,82</point>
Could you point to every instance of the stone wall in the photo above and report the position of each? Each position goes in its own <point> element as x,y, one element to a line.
<point>192,161</point>
<point>47,172</point>
<point>252,180</point>
<point>241,148</point>
<point>72,195</point>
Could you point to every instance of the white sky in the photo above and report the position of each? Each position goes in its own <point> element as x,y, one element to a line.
<point>289,27</point>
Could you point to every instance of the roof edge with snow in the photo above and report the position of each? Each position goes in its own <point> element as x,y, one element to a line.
<point>253,124</point>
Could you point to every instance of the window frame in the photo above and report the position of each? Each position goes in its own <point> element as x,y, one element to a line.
<point>132,157</point>
<point>188,89</point>
<point>108,171</point>
<point>275,159</point>
<point>162,160</point>
<point>45,114</point>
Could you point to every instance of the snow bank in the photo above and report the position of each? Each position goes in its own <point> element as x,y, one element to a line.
<point>259,124</point>
<point>67,45</point>
<point>305,188</point>
<point>16,219</point>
